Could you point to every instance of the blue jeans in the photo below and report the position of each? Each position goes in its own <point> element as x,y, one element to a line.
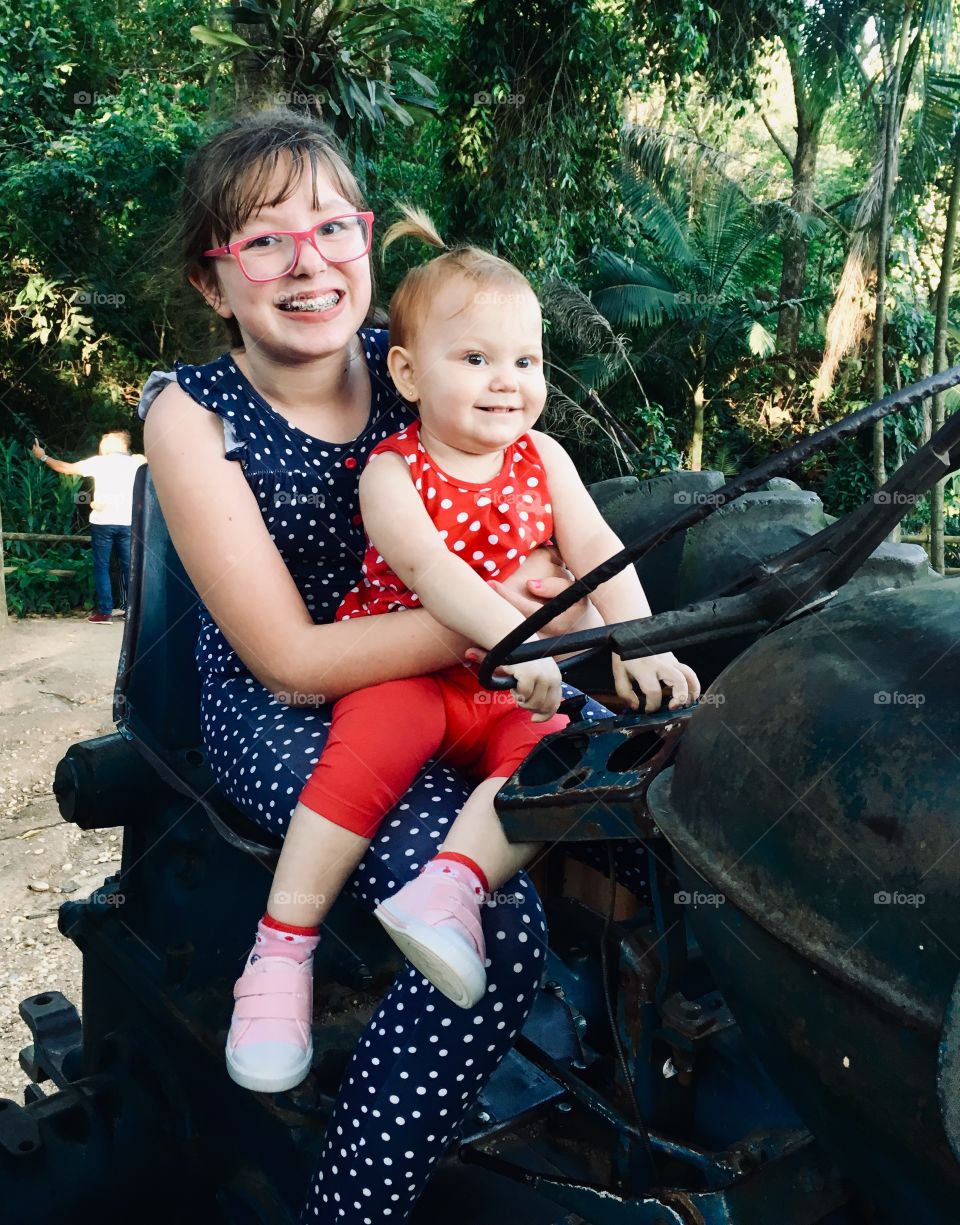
<point>104,538</point>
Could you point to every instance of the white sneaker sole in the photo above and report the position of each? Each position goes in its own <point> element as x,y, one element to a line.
<point>447,961</point>
<point>269,1084</point>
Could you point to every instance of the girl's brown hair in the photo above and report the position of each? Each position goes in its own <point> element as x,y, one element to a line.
<point>226,181</point>
<point>412,296</point>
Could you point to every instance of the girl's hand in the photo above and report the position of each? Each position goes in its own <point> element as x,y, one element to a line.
<point>650,675</point>
<point>541,577</point>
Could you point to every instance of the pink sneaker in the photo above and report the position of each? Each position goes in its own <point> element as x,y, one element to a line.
<point>435,922</point>
<point>270,1046</point>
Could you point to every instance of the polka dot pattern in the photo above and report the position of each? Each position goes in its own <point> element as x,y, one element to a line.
<point>306,488</point>
<point>421,1062</point>
<point>494,526</point>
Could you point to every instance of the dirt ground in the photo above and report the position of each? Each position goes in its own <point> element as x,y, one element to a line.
<point>56,684</point>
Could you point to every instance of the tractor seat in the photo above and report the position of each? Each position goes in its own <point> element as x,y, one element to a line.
<point>157,693</point>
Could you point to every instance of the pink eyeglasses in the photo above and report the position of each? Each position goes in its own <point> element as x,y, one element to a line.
<point>268,257</point>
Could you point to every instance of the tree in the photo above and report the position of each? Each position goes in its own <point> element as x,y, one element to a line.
<point>815,45</point>
<point>532,122</point>
<point>694,293</point>
<point>344,61</point>
<point>940,348</point>
<point>898,42</point>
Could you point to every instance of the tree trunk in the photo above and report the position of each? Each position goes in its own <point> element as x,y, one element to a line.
<point>795,243</point>
<point>891,139</point>
<point>695,457</point>
<point>940,351</point>
<point>257,77</point>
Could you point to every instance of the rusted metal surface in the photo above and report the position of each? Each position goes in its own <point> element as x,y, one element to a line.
<point>791,1185</point>
<point>820,800</point>
<point>589,782</point>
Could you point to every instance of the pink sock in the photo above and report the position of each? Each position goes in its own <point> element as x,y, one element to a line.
<point>276,939</point>
<point>462,868</point>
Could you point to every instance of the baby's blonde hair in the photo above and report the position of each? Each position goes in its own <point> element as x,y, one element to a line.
<point>413,295</point>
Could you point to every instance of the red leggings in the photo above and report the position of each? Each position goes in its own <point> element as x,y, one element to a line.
<point>382,737</point>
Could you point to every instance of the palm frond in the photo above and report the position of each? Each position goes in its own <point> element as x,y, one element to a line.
<point>576,317</point>
<point>933,129</point>
<point>657,217</point>
<point>582,424</point>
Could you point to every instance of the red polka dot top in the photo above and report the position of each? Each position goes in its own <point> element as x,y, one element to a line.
<point>492,526</point>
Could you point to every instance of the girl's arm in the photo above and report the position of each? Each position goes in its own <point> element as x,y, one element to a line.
<point>584,537</point>
<point>585,540</point>
<point>220,536</point>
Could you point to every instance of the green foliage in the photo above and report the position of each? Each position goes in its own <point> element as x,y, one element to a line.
<point>345,61</point>
<point>532,113</point>
<point>36,500</point>
<point>518,147</point>
<point>90,166</point>
<point>721,44</point>
<point>698,290</point>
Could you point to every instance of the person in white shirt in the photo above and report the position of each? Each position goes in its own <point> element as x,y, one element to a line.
<point>113,470</point>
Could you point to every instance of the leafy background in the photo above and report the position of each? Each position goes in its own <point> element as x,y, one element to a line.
<point>690,187</point>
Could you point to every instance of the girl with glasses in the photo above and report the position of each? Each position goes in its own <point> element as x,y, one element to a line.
<point>256,457</point>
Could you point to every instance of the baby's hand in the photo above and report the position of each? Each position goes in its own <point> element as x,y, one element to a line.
<point>648,674</point>
<point>538,687</point>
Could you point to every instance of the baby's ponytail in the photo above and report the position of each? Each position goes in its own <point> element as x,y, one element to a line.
<point>412,298</point>
<point>415,224</point>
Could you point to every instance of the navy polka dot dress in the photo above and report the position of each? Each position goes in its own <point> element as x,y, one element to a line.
<point>422,1061</point>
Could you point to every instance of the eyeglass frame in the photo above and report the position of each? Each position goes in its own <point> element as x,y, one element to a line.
<point>299,237</point>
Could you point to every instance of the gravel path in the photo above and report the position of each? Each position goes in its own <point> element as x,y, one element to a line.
<point>56,682</point>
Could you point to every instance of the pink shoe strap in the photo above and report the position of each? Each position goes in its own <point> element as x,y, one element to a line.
<point>273,1008</point>
<point>271,990</point>
<point>442,898</point>
<point>269,980</point>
